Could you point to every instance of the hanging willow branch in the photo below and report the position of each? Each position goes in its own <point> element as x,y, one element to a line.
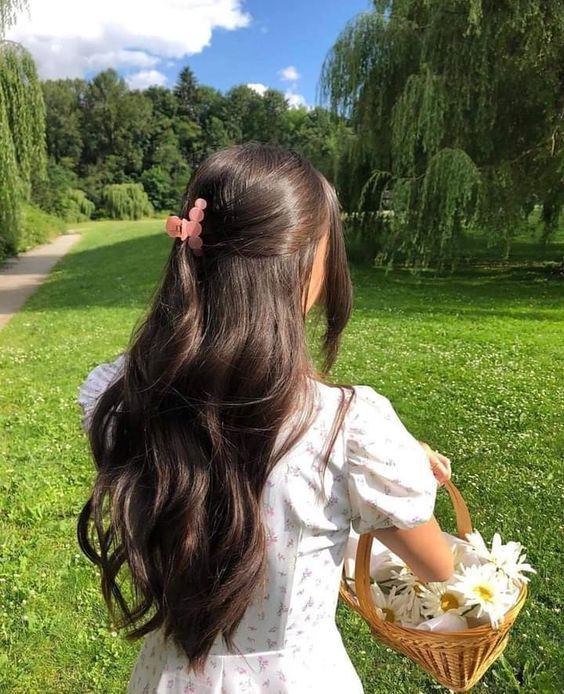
<point>22,138</point>
<point>455,100</point>
<point>8,12</point>
<point>10,193</point>
<point>126,201</point>
<point>25,110</point>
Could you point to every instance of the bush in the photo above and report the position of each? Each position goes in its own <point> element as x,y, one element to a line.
<point>37,227</point>
<point>59,195</point>
<point>76,207</point>
<point>126,201</point>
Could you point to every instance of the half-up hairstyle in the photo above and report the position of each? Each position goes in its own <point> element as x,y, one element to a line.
<point>215,372</point>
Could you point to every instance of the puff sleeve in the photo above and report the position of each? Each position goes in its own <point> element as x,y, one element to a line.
<point>94,385</point>
<point>390,481</point>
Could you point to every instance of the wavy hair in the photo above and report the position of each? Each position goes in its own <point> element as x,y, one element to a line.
<point>216,388</point>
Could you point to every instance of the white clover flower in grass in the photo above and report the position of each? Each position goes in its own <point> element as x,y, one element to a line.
<point>487,589</point>
<point>438,598</point>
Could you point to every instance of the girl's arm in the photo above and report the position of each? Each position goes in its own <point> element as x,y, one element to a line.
<point>423,548</point>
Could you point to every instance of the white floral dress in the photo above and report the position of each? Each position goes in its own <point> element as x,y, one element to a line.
<point>288,642</point>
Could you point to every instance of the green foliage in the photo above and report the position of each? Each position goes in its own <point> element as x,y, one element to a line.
<point>25,111</point>
<point>419,81</point>
<point>164,193</point>
<point>59,195</point>
<point>77,207</point>
<point>105,134</point>
<point>63,99</point>
<point>126,201</point>
<point>115,126</point>
<point>22,138</point>
<point>10,193</point>
<point>37,227</point>
<point>8,12</point>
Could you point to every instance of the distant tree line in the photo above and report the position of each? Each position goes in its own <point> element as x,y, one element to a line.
<point>101,134</point>
<point>443,131</point>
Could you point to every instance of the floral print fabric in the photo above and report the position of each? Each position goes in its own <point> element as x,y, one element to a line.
<point>288,642</point>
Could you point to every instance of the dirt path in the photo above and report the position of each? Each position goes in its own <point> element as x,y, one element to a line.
<point>20,277</point>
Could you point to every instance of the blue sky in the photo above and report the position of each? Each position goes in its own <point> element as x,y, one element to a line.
<point>225,42</point>
<point>284,33</point>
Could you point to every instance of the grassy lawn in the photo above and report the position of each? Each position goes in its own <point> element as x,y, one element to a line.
<point>473,364</point>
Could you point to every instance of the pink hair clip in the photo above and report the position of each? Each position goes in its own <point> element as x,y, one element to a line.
<point>190,228</point>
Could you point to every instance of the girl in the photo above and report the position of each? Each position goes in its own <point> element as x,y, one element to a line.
<point>229,470</point>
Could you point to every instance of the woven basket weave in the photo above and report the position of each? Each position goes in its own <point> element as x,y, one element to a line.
<point>457,660</point>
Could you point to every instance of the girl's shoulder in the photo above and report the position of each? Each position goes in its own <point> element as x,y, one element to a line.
<point>365,401</point>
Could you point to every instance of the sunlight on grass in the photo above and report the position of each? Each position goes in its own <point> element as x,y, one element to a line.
<point>472,364</point>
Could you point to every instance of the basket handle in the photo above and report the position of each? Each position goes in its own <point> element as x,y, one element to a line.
<point>362,561</point>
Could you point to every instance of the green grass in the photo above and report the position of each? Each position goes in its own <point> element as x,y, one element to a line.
<point>472,364</point>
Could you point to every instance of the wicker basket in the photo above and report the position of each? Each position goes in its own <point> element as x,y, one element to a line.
<point>457,660</point>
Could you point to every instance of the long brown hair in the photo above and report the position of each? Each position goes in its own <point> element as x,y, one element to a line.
<point>185,439</point>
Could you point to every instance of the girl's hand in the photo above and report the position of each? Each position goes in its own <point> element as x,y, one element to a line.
<point>440,464</point>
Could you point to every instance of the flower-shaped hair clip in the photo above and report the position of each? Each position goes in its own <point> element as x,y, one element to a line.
<point>190,228</point>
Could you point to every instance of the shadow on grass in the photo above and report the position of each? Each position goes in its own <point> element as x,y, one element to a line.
<point>121,274</point>
<point>125,273</point>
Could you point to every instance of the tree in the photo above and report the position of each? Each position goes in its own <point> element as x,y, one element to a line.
<point>126,201</point>
<point>116,124</point>
<point>63,105</point>
<point>457,108</point>
<point>22,138</point>
<point>320,136</point>
<point>8,13</point>
<point>186,91</point>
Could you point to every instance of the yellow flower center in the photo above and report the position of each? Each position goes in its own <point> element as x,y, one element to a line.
<point>389,615</point>
<point>417,588</point>
<point>449,602</point>
<point>484,593</point>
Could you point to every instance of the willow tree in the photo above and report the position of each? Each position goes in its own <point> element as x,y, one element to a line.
<point>126,201</point>
<point>8,12</point>
<point>22,130</point>
<point>458,113</point>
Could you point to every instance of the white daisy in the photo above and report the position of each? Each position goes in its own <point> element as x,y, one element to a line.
<point>413,615</point>
<point>479,546</point>
<point>393,607</point>
<point>382,560</point>
<point>404,577</point>
<point>463,552</point>
<point>438,598</point>
<point>509,559</point>
<point>384,564</point>
<point>485,588</point>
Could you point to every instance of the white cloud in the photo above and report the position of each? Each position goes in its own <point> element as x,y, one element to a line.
<point>69,37</point>
<point>289,74</point>
<point>295,100</point>
<point>146,78</point>
<point>124,58</point>
<point>257,87</point>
